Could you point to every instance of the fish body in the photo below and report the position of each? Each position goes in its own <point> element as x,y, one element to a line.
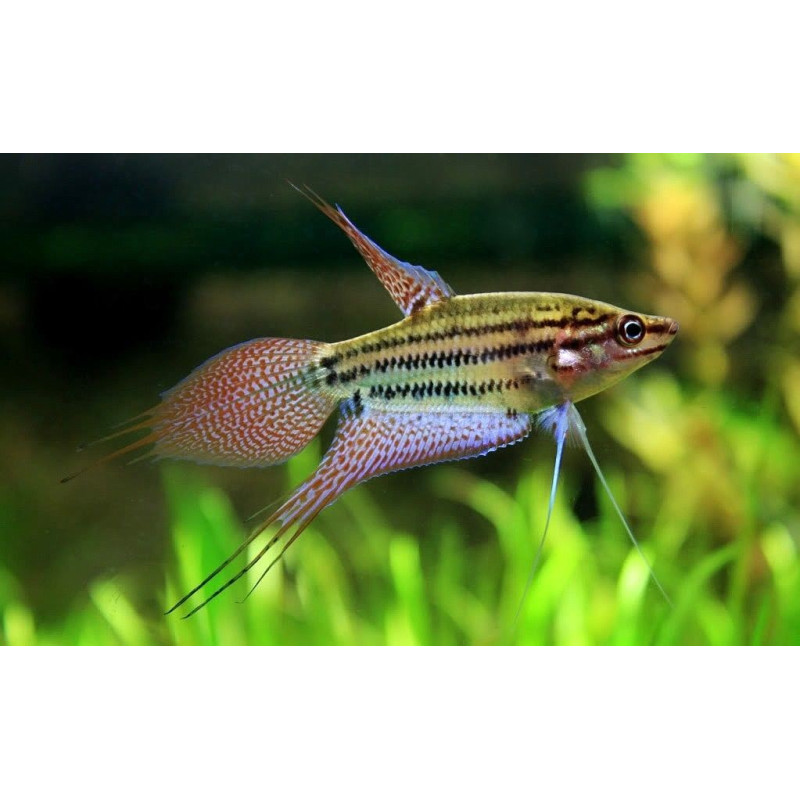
<point>520,352</point>
<point>457,377</point>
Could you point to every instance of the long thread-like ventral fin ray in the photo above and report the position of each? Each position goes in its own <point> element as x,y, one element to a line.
<point>578,429</point>
<point>557,421</point>
<point>412,287</point>
<point>372,444</point>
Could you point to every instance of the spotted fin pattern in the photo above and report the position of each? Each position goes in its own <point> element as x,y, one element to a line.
<point>372,444</point>
<point>410,286</point>
<point>251,405</point>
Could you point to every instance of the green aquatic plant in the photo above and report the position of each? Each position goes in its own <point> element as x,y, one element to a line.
<point>357,578</point>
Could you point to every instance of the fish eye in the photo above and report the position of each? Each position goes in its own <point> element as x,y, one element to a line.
<point>630,330</point>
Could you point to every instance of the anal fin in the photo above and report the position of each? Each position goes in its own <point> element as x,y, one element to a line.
<point>373,444</point>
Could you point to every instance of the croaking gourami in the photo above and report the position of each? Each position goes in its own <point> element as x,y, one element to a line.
<point>457,377</point>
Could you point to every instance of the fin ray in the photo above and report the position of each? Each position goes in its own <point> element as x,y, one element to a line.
<point>252,405</point>
<point>412,287</point>
<point>577,427</point>
<point>373,444</point>
<point>558,420</point>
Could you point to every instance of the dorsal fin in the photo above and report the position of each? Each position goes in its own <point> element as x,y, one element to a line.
<point>410,286</point>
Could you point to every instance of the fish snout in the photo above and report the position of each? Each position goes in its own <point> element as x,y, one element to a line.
<point>673,326</point>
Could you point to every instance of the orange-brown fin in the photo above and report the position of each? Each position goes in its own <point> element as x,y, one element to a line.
<point>411,287</point>
<point>254,404</point>
<point>150,438</point>
<point>122,431</point>
<point>365,446</point>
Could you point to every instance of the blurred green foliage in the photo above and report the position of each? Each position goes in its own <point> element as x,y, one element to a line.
<point>355,578</point>
<point>714,495</point>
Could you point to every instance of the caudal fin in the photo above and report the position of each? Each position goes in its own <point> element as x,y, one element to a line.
<point>254,404</point>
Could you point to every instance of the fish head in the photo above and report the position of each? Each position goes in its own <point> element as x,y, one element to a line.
<point>603,344</point>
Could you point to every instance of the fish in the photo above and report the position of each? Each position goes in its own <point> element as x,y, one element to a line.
<point>458,377</point>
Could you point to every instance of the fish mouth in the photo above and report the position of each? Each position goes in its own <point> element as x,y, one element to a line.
<point>673,327</point>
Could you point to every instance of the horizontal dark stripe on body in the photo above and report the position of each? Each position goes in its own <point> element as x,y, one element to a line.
<point>433,388</point>
<point>440,360</point>
<point>577,342</point>
<point>458,331</point>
